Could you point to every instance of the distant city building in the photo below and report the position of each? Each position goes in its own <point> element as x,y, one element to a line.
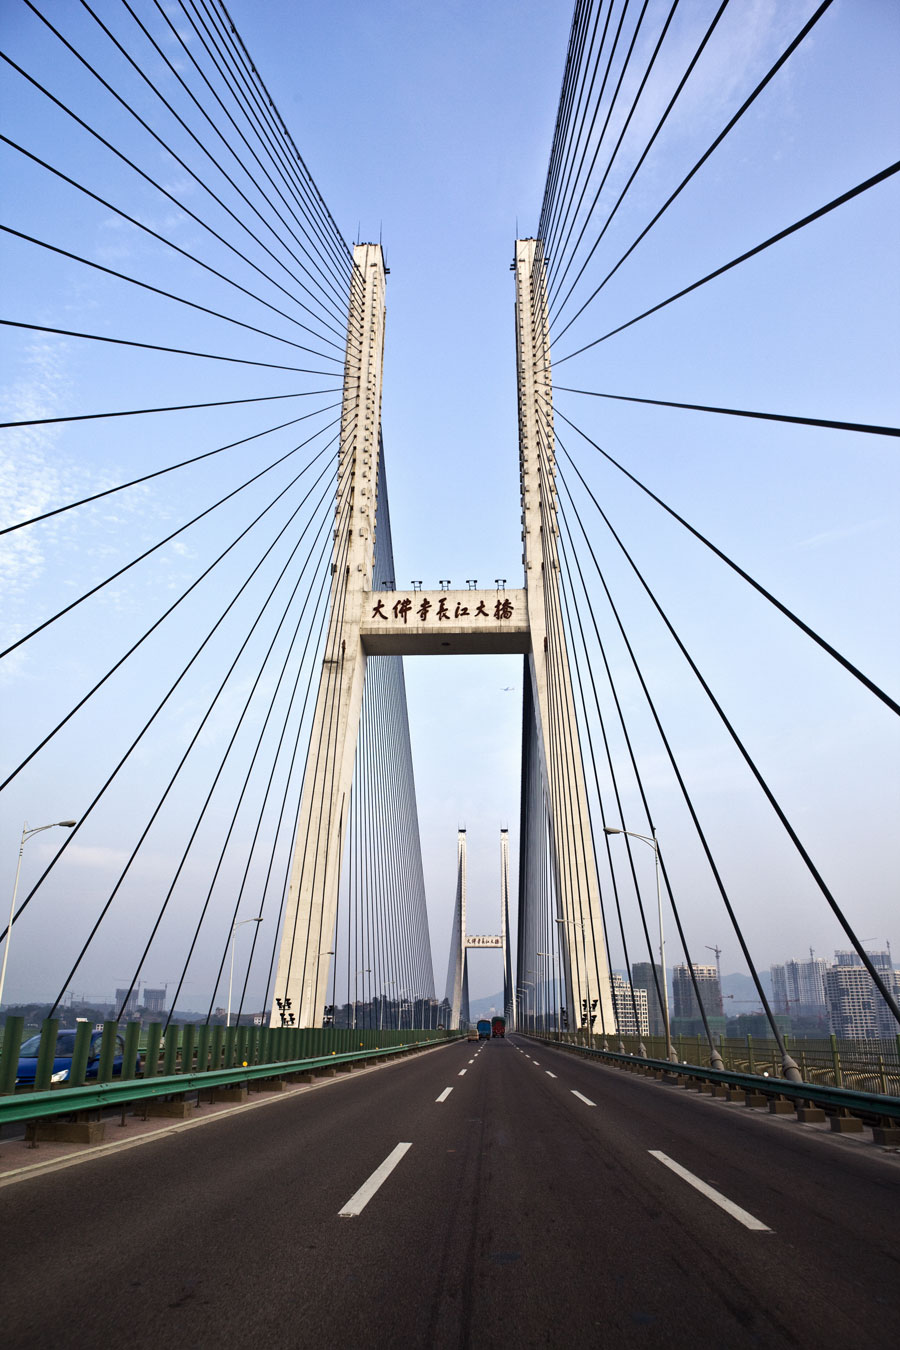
<point>798,987</point>
<point>684,999</point>
<point>855,1006</point>
<point>642,975</point>
<point>625,1008</point>
<point>130,1009</point>
<point>154,1000</point>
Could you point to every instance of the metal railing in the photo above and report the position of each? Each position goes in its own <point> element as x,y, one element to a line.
<point>754,1087</point>
<point>859,1065</point>
<point>186,1058</point>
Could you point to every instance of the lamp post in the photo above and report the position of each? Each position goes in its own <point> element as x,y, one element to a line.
<point>588,1021</point>
<point>545,1003</point>
<point>26,834</point>
<point>528,1003</point>
<point>366,970</point>
<point>652,841</point>
<point>313,979</point>
<point>390,984</point>
<point>231,972</point>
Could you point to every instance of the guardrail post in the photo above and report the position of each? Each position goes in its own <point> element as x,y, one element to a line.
<point>130,1057</point>
<point>170,1057</point>
<point>187,1047</point>
<point>751,1063</point>
<point>241,1046</point>
<point>80,1054</point>
<point>203,1036</point>
<point>107,1052</point>
<point>252,1056</point>
<point>230,1049</point>
<point>9,1058</point>
<point>218,1040</point>
<point>46,1053</point>
<point>151,1057</point>
<point>836,1062</point>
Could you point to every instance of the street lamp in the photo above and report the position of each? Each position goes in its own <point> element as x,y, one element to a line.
<point>588,1022</point>
<point>26,834</point>
<point>390,984</point>
<point>364,970</point>
<point>545,1002</point>
<point>527,1002</point>
<point>652,841</point>
<point>231,973</point>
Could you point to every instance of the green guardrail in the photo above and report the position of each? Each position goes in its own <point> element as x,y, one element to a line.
<point>183,1058</point>
<point>866,1065</point>
<point>25,1106</point>
<point>875,1104</point>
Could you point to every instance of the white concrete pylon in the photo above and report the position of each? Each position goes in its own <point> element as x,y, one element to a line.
<point>509,998</point>
<point>581,940</point>
<point>457,971</point>
<point>301,981</point>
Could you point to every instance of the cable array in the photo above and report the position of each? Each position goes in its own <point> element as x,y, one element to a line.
<point>632,78</point>
<point>177,272</point>
<point>382,972</point>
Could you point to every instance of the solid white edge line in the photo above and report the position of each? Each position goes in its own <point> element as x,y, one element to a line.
<point>461,1072</point>
<point>549,1074</point>
<point>444,1095</point>
<point>716,1197</point>
<point>357,1203</point>
<point>587,1101</point>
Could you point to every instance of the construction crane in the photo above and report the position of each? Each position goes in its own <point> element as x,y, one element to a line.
<point>718,952</point>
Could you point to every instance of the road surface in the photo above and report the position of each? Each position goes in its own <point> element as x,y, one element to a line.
<point>494,1195</point>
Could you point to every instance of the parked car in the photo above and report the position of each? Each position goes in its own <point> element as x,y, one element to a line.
<point>62,1058</point>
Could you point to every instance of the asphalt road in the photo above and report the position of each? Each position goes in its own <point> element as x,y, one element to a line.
<point>520,1214</point>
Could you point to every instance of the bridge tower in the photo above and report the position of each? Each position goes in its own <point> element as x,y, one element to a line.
<point>462,941</point>
<point>551,753</point>
<point>366,620</point>
<point>301,980</point>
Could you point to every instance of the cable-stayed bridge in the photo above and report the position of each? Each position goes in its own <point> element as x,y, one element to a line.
<point>207,643</point>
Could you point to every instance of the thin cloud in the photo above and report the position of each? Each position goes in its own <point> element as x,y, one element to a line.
<point>841,532</point>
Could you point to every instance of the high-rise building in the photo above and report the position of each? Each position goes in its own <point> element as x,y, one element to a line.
<point>685,1000</point>
<point>855,1006</point>
<point>798,987</point>
<point>130,1009</point>
<point>625,1008</point>
<point>154,1000</point>
<point>642,976</point>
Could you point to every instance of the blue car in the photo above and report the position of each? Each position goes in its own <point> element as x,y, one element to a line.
<point>62,1059</point>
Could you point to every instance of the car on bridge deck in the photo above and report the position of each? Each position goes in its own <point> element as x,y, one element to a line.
<point>26,1071</point>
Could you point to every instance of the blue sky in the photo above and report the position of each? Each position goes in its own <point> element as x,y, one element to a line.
<point>429,126</point>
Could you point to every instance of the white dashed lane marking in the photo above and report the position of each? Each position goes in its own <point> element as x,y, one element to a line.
<point>715,1196</point>
<point>357,1203</point>
<point>587,1101</point>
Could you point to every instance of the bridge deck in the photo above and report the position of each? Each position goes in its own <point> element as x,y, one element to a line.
<point>528,1210</point>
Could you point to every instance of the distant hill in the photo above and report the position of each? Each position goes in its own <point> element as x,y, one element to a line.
<point>490,1006</point>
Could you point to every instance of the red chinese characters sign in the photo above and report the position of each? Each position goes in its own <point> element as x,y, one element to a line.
<point>426,611</point>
